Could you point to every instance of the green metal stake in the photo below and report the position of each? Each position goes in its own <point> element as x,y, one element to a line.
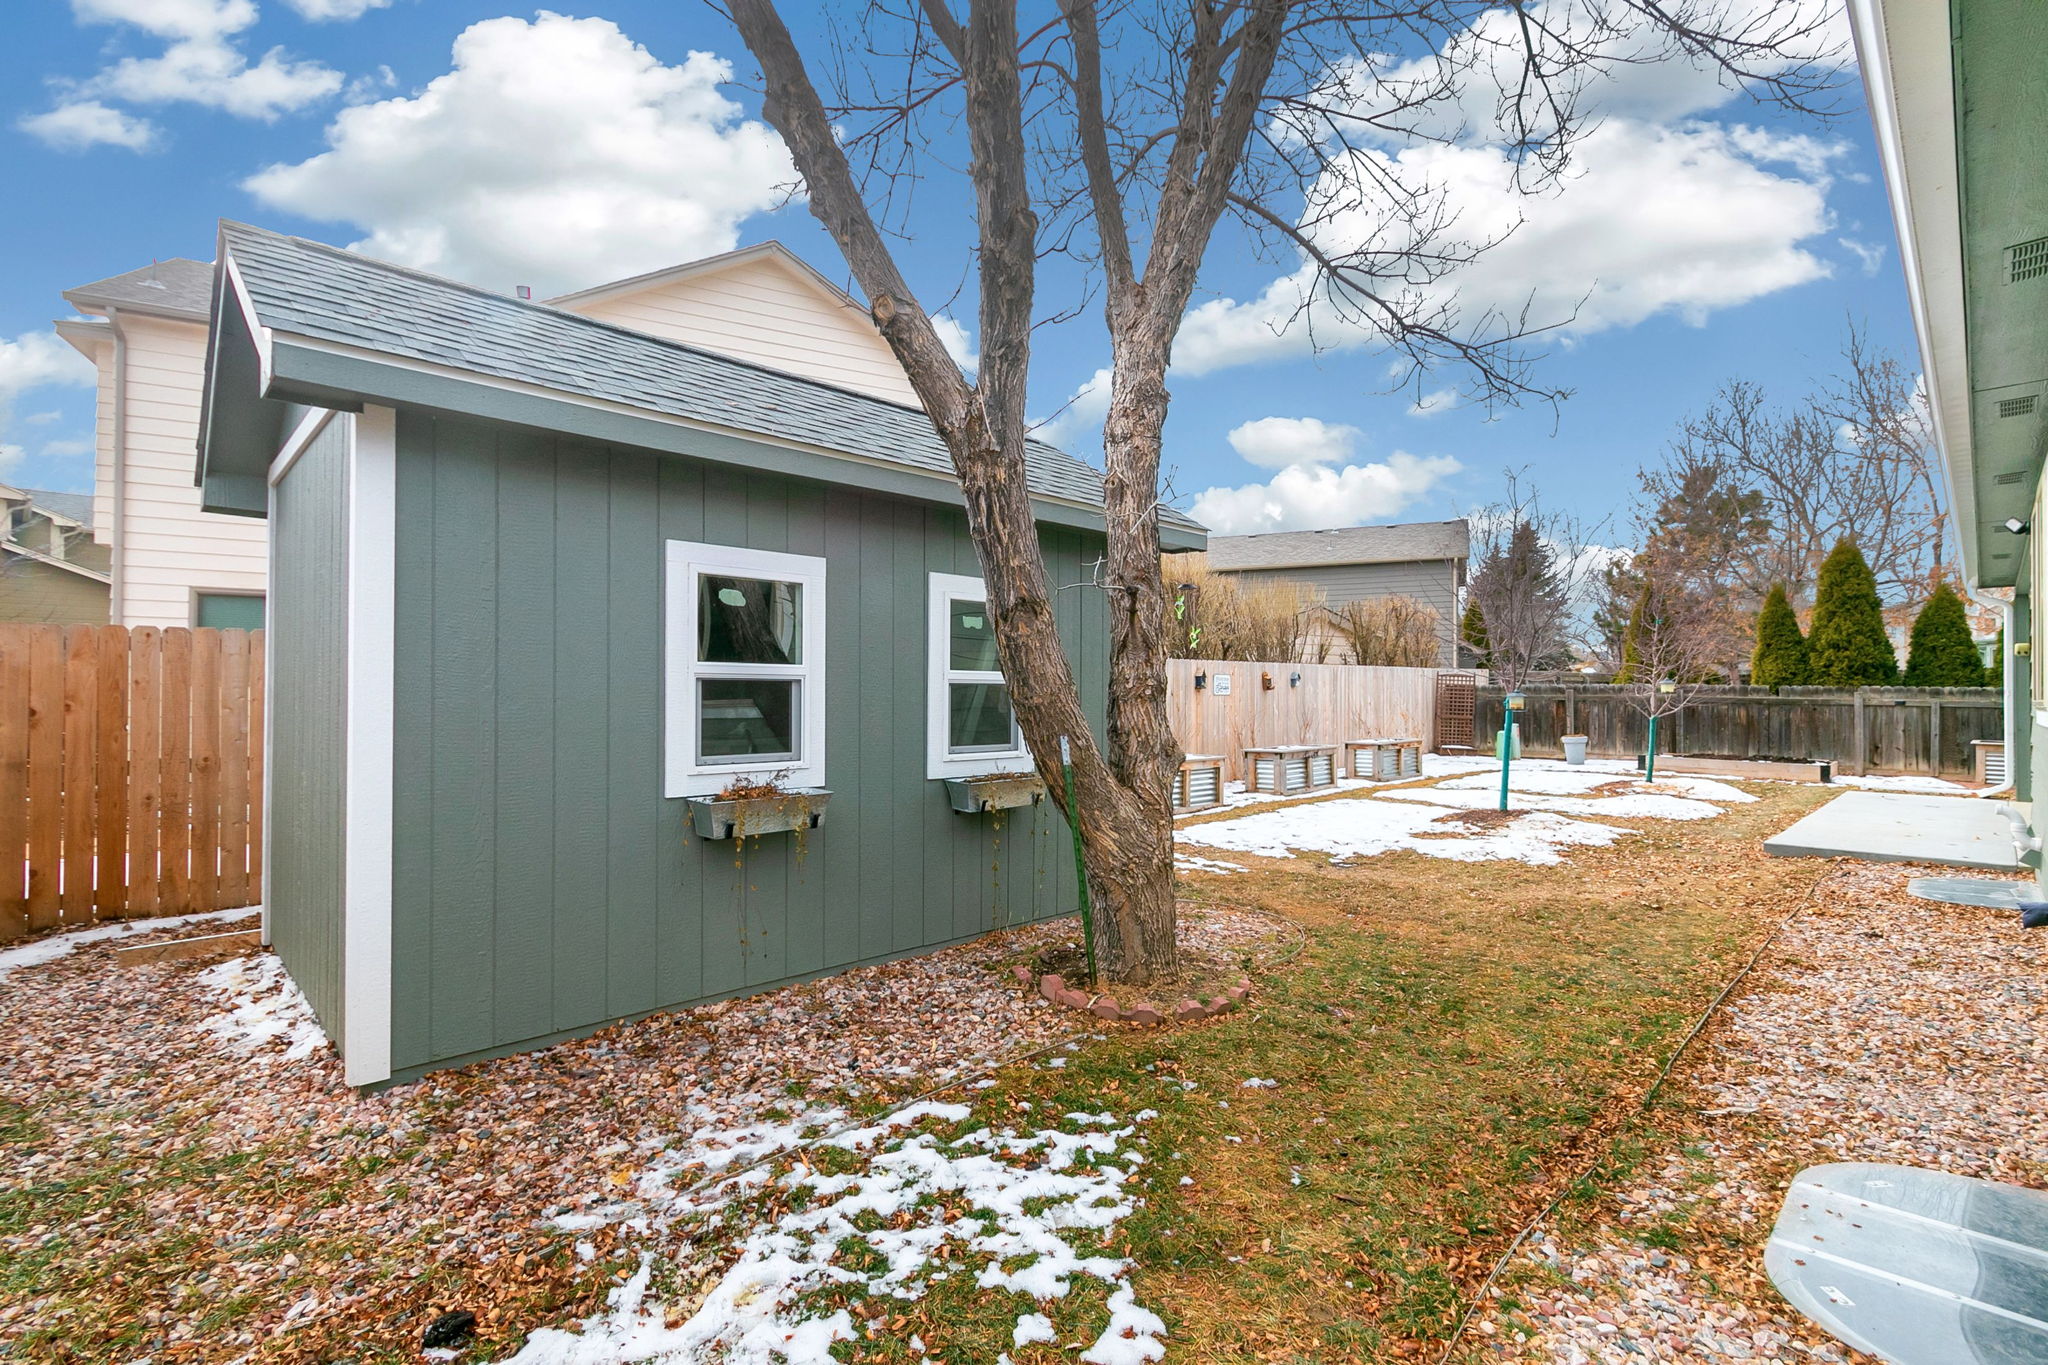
<point>1507,753</point>
<point>1080,866</point>
<point>1650,764</point>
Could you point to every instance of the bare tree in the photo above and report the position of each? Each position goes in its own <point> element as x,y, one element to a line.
<point>1534,573</point>
<point>1854,457</point>
<point>1274,111</point>
<point>1676,638</point>
<point>1392,632</point>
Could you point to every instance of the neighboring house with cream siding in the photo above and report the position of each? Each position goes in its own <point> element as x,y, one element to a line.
<point>172,564</point>
<point>146,330</point>
<point>760,303</point>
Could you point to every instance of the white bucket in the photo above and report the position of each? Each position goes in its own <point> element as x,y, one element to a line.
<point>1574,749</point>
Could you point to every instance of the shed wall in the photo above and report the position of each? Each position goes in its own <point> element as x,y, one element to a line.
<point>543,884</point>
<point>35,593</point>
<point>308,640</point>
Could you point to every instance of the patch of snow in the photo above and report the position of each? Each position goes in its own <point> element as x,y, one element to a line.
<point>1367,827</point>
<point>1647,806</point>
<point>1905,782</point>
<point>1019,1196</point>
<point>1260,1083</point>
<point>1033,1327</point>
<point>1529,777</point>
<point>1188,862</point>
<point>265,1007</point>
<point>54,946</point>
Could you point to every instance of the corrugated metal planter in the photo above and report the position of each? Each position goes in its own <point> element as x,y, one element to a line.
<point>798,808</point>
<point>995,791</point>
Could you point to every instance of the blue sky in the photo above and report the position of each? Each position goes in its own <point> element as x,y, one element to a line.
<point>1707,238</point>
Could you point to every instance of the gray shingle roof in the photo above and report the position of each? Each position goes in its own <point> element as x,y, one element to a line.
<point>177,287</point>
<point>77,506</point>
<point>312,290</point>
<point>1342,545</point>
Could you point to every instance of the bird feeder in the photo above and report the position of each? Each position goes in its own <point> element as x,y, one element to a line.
<point>1511,705</point>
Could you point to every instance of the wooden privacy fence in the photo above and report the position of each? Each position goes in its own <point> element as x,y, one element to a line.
<point>1895,729</point>
<point>1330,704</point>
<point>131,773</point>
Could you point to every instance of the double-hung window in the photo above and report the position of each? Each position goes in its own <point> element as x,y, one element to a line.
<point>746,672</point>
<point>970,726</point>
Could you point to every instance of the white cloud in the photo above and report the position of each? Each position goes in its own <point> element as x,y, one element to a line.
<point>556,153</point>
<point>37,360</point>
<point>66,449</point>
<point>1084,410</point>
<point>332,11</point>
<point>1654,220</point>
<point>1869,255</point>
<point>1303,497</point>
<point>1278,442</point>
<point>43,419</point>
<point>200,64</point>
<point>82,124</point>
<point>958,341</point>
<point>1435,403</point>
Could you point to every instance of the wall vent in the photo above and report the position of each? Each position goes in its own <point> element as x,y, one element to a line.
<point>2027,261</point>
<point>2012,476</point>
<point>2018,407</point>
<point>2005,555</point>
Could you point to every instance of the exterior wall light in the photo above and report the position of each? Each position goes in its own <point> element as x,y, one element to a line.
<point>1201,681</point>
<point>2016,526</point>
<point>1294,679</point>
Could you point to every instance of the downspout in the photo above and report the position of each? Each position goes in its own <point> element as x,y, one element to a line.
<point>117,561</point>
<point>2005,660</point>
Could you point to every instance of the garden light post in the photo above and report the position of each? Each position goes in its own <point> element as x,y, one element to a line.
<point>1511,706</point>
<point>1667,687</point>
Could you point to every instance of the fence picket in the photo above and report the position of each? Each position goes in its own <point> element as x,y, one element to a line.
<point>175,719</point>
<point>14,786</point>
<point>81,741</point>
<point>233,748</point>
<point>45,773</point>
<point>145,793</point>
<point>110,818</point>
<point>205,724</point>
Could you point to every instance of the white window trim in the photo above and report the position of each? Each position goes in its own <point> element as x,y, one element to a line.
<point>683,775</point>
<point>947,588</point>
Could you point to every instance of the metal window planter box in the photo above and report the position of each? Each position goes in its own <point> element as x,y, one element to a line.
<point>798,808</point>
<point>994,791</point>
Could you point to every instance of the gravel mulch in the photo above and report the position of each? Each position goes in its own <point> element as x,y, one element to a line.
<point>1877,1028</point>
<point>185,1200</point>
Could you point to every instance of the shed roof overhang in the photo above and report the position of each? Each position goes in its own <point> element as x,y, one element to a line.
<point>1959,96</point>
<point>258,380</point>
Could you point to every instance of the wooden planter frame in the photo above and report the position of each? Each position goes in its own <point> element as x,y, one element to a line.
<point>1286,769</point>
<point>1200,776</point>
<point>1394,759</point>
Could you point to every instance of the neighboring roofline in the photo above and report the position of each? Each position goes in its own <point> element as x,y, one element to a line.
<point>83,298</point>
<point>85,334</point>
<point>10,493</point>
<point>708,265</point>
<point>1910,84</point>
<point>16,547</point>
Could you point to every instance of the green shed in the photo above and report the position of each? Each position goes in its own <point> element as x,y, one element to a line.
<point>540,586</point>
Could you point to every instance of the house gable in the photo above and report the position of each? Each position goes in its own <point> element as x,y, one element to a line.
<point>761,304</point>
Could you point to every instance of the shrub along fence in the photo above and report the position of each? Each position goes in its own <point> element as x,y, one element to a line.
<point>1244,705</point>
<point>131,773</point>
<point>1927,730</point>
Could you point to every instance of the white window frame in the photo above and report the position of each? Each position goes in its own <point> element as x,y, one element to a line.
<point>688,561</point>
<point>946,589</point>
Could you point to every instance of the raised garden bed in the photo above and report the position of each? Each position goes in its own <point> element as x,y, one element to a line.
<point>799,808</point>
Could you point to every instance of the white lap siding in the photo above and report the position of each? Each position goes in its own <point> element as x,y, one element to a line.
<point>169,550</point>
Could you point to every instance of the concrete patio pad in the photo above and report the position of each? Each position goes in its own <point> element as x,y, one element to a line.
<point>1900,827</point>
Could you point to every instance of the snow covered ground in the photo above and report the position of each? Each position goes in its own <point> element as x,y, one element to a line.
<point>924,1206</point>
<point>265,1006</point>
<point>1546,790</point>
<point>54,946</point>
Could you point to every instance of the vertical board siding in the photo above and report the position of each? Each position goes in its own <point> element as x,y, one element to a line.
<point>544,883</point>
<point>102,813</point>
<point>309,647</point>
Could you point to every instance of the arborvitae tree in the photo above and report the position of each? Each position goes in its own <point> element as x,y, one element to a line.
<point>1473,630</point>
<point>1848,646</point>
<point>1994,673</point>
<point>1780,658</point>
<point>1631,637</point>
<point>1941,652</point>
